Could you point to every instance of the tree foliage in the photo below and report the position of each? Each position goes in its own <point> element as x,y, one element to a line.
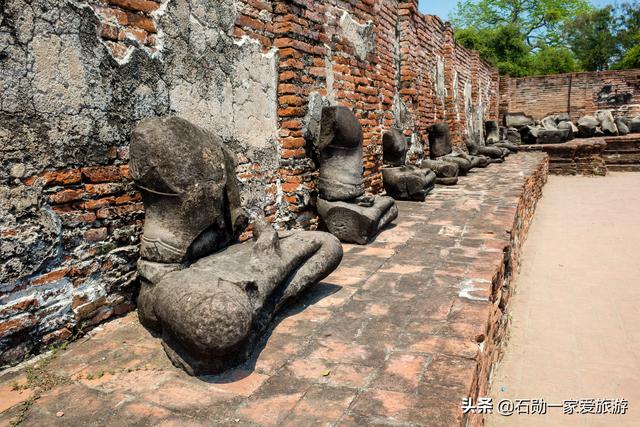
<point>592,38</point>
<point>539,21</point>
<point>629,35</point>
<point>552,60</point>
<point>532,37</point>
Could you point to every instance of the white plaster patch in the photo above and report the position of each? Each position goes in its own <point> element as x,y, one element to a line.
<point>330,79</point>
<point>361,36</point>
<point>402,115</point>
<point>450,230</point>
<point>455,85</point>
<point>440,87</point>
<point>470,288</point>
<point>59,75</point>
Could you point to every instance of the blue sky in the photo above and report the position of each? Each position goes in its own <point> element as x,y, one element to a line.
<point>443,7</point>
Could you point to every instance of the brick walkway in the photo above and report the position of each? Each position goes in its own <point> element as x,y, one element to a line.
<point>399,334</point>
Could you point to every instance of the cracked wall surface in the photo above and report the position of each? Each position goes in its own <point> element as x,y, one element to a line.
<point>78,75</point>
<point>69,104</point>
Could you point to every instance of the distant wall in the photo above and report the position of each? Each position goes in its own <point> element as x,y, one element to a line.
<point>578,94</point>
<point>76,76</point>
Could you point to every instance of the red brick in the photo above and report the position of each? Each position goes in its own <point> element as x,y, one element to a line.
<point>66,196</point>
<point>96,234</point>
<point>61,177</point>
<point>113,15</point>
<point>125,172</point>
<point>99,203</point>
<point>291,100</point>
<point>290,187</point>
<point>19,307</point>
<point>293,143</point>
<point>50,277</point>
<point>102,174</point>
<point>291,124</point>
<point>128,198</point>
<point>291,112</point>
<point>57,336</point>
<point>109,32</point>
<point>75,217</point>
<point>136,5</point>
<point>104,189</point>
<point>247,21</point>
<point>16,324</point>
<point>287,75</point>
<point>142,22</point>
<point>291,154</point>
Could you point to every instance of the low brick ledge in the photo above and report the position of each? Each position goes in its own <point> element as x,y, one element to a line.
<point>404,330</point>
<point>576,157</point>
<point>623,153</point>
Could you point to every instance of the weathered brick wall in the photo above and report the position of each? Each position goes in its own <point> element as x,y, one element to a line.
<point>578,94</point>
<point>77,76</point>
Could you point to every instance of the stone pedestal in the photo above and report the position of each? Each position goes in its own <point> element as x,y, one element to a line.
<point>403,182</point>
<point>208,297</point>
<point>352,223</point>
<point>344,208</point>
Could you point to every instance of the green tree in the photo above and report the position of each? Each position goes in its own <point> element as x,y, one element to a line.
<point>532,37</point>
<point>480,41</point>
<point>553,60</point>
<point>628,15</point>
<point>629,35</point>
<point>506,49</point>
<point>631,58</point>
<point>592,37</point>
<point>539,21</point>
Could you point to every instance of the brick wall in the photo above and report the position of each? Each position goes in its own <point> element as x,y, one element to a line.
<point>78,76</point>
<point>579,94</point>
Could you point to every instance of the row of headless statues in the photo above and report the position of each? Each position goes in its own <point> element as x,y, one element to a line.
<point>210,298</point>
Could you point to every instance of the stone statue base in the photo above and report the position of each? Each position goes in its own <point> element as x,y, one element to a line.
<point>446,172</point>
<point>208,297</point>
<point>492,152</point>
<point>210,314</point>
<point>513,148</point>
<point>408,182</point>
<point>354,223</point>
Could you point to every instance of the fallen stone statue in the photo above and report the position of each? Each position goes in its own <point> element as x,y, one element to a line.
<point>208,297</point>
<point>446,172</point>
<point>402,181</point>
<point>346,211</point>
<point>441,148</point>
<point>493,140</point>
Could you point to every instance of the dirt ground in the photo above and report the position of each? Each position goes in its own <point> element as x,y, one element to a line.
<point>576,313</point>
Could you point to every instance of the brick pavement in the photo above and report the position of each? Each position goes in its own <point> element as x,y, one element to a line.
<point>398,335</point>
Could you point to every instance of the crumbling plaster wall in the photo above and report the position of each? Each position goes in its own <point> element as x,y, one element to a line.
<point>70,217</point>
<point>78,75</point>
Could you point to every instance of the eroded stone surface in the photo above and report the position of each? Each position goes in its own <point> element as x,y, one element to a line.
<point>441,148</point>
<point>401,181</point>
<point>68,103</point>
<point>208,298</point>
<point>346,211</point>
<point>517,120</point>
